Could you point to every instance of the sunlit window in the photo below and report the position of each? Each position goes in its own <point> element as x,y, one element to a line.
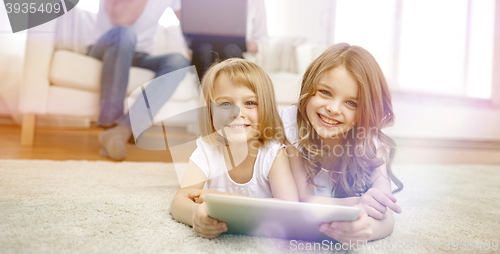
<point>433,46</point>
<point>370,26</point>
<point>439,47</point>
<point>480,57</point>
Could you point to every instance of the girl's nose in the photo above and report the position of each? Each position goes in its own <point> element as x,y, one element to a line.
<point>333,108</point>
<point>235,112</point>
<point>241,114</point>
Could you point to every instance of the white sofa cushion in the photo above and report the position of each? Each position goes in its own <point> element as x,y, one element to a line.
<point>77,71</point>
<point>72,102</point>
<point>66,72</point>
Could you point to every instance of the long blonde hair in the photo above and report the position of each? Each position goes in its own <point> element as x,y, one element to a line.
<point>350,173</point>
<point>254,78</point>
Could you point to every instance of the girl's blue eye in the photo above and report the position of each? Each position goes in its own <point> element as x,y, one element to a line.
<point>325,92</point>
<point>250,103</point>
<point>225,104</point>
<point>352,104</point>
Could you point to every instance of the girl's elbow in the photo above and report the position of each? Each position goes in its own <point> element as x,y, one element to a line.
<point>287,197</point>
<point>390,221</point>
<point>173,209</point>
<point>389,227</point>
<point>294,198</point>
<point>385,228</point>
<point>305,198</point>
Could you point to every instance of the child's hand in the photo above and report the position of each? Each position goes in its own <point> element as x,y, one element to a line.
<point>375,203</point>
<point>198,196</point>
<point>205,226</point>
<point>345,231</point>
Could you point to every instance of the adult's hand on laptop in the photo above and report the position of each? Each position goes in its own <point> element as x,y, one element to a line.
<point>375,203</point>
<point>206,226</point>
<point>252,47</point>
<point>349,231</point>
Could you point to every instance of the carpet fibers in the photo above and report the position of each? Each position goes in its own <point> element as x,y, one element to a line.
<point>106,207</point>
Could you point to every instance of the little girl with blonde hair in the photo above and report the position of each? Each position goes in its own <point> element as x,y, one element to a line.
<point>241,149</point>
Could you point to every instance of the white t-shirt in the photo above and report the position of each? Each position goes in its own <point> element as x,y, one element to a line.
<point>256,22</point>
<point>210,159</point>
<point>144,27</point>
<point>289,118</point>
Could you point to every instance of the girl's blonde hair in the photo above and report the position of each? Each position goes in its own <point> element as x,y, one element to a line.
<point>253,77</point>
<point>350,171</point>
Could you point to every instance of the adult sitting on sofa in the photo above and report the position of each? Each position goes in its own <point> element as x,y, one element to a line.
<point>123,37</point>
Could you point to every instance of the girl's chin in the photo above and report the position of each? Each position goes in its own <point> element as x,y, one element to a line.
<point>332,135</point>
<point>239,135</point>
<point>240,138</point>
<point>329,133</point>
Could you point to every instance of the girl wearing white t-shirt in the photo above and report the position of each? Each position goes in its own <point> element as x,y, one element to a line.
<point>338,152</point>
<point>241,149</point>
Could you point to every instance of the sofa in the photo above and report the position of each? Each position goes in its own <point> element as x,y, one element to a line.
<point>61,83</point>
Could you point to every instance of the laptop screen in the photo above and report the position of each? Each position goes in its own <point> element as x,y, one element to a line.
<point>214,17</point>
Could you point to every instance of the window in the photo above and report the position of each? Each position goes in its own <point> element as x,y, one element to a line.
<point>438,47</point>
<point>369,24</point>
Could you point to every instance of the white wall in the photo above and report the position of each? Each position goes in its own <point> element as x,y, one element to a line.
<point>423,117</point>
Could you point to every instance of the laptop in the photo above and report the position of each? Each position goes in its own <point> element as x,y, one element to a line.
<point>216,21</point>
<point>275,218</point>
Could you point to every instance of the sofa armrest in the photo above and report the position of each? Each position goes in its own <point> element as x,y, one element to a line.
<point>35,85</point>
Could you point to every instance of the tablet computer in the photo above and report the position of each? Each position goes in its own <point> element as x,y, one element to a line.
<point>276,218</point>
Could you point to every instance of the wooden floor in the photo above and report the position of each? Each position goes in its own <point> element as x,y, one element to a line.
<point>82,144</point>
<point>69,144</point>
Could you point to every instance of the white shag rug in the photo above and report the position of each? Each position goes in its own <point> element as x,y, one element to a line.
<point>106,207</point>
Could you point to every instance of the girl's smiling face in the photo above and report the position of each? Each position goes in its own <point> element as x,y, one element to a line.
<point>235,109</point>
<point>332,110</point>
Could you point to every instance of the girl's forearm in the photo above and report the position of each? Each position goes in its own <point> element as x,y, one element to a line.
<point>223,193</point>
<point>183,209</point>
<point>382,228</point>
